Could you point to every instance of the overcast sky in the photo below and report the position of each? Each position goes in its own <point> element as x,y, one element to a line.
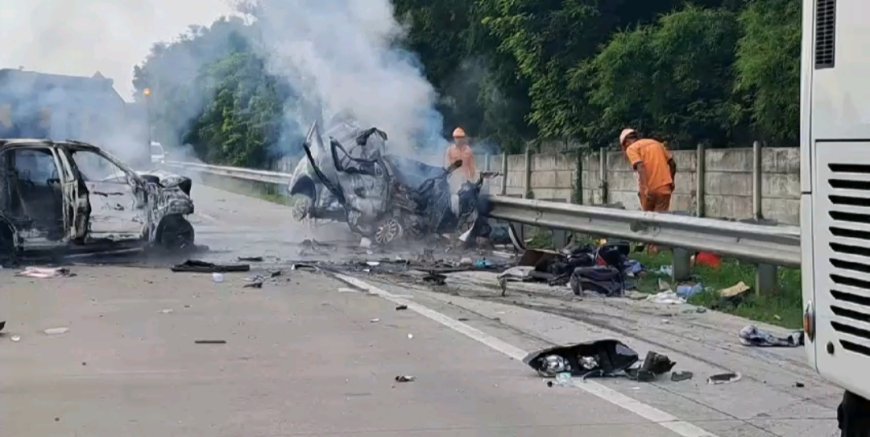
<point>81,37</point>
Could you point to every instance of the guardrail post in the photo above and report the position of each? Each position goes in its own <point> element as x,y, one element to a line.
<point>681,268</point>
<point>766,279</point>
<point>700,180</point>
<point>504,173</point>
<point>757,212</point>
<point>602,170</point>
<point>527,174</point>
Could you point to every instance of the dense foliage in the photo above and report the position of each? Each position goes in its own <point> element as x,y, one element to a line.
<point>722,72</point>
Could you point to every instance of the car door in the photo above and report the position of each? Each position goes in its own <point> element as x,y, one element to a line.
<point>75,197</point>
<point>117,201</point>
<point>32,195</point>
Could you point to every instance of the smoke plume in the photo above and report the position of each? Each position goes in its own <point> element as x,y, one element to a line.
<point>344,57</point>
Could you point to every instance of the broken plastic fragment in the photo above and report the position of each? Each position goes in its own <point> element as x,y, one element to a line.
<point>217,277</point>
<point>56,331</point>
<point>15,338</point>
<point>375,320</point>
<point>724,378</point>
<point>681,376</point>
<point>166,311</point>
<point>563,379</point>
<point>405,378</point>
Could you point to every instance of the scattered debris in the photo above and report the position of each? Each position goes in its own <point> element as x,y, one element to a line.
<point>604,280</point>
<point>734,291</point>
<point>210,342</point>
<point>375,320</point>
<point>45,272</point>
<point>666,298</point>
<point>665,271</point>
<point>518,274</point>
<point>255,284</point>
<point>56,331</point>
<point>373,263</point>
<point>401,307</point>
<point>653,365</point>
<point>708,259</point>
<point>700,310</point>
<point>365,243</point>
<point>194,266</point>
<point>465,261</point>
<point>750,335</point>
<point>688,291</point>
<point>462,319</point>
<point>724,378</point>
<point>253,259</point>
<point>636,295</point>
<point>348,290</point>
<point>410,336</point>
<point>276,274</point>
<point>166,311</point>
<point>435,278</point>
<point>217,277</point>
<point>564,379</point>
<point>598,358</point>
<point>2,325</point>
<point>681,376</point>
<point>302,266</point>
<point>482,264</point>
<point>15,338</point>
<point>799,385</point>
<point>405,378</point>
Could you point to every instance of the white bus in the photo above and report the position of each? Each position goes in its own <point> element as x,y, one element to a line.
<point>835,199</point>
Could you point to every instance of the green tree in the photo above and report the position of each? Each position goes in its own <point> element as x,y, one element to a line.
<point>768,68</point>
<point>672,79</point>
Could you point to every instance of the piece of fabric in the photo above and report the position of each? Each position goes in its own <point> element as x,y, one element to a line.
<point>655,159</point>
<point>466,155</point>
<point>656,202</point>
<point>750,335</point>
<point>607,281</point>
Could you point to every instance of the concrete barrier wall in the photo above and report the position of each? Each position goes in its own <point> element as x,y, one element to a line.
<point>727,181</point>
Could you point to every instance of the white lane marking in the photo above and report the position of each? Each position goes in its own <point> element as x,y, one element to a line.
<point>639,408</point>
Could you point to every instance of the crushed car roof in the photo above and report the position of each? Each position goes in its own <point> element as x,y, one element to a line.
<point>45,142</point>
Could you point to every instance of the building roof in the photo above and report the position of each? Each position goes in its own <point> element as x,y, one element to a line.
<point>97,82</point>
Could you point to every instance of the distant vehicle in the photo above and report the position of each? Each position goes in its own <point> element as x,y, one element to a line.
<point>69,196</point>
<point>158,155</point>
<point>835,200</point>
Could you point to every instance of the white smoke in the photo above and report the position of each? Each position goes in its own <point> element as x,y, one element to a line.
<point>81,37</point>
<point>343,56</point>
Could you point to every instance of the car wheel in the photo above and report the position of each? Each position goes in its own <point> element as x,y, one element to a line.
<point>388,232</point>
<point>175,233</point>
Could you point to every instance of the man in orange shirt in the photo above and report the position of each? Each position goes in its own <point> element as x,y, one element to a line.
<point>460,150</point>
<point>655,169</point>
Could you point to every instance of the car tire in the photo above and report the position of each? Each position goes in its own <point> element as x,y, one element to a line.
<point>302,207</point>
<point>175,233</point>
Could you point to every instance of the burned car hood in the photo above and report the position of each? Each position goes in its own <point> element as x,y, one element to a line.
<point>166,179</point>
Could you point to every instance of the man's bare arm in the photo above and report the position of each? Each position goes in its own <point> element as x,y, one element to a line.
<point>642,177</point>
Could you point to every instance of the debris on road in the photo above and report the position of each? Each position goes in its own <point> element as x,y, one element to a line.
<point>724,378</point>
<point>255,284</point>
<point>314,247</point>
<point>564,379</point>
<point>303,266</point>
<point>2,325</point>
<point>653,365</point>
<point>598,358</point>
<point>734,291</point>
<point>681,376</point>
<point>276,274</point>
<point>750,335</point>
<point>15,338</point>
<point>217,277</point>
<point>604,280</point>
<point>56,331</point>
<point>252,259</point>
<point>799,385</point>
<point>375,320</point>
<point>210,342</point>
<point>348,290</point>
<point>405,378</point>
<point>45,272</point>
<point>410,336</point>
<point>401,307</point>
<point>666,298</point>
<point>435,278</point>
<point>195,266</point>
<point>166,311</point>
<point>516,274</point>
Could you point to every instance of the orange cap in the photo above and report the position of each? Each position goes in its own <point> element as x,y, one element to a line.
<point>625,133</point>
<point>458,133</point>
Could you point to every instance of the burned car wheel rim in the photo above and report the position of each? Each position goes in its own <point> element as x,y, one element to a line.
<point>176,233</point>
<point>388,232</point>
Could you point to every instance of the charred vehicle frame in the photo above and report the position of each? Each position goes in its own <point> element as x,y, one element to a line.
<point>69,196</point>
<point>387,198</point>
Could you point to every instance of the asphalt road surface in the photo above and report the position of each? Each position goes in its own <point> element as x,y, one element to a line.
<point>313,353</point>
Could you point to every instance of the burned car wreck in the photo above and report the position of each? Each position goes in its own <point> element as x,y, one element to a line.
<point>388,198</point>
<point>69,196</point>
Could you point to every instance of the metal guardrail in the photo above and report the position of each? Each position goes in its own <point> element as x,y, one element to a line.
<point>764,244</point>
<point>269,177</point>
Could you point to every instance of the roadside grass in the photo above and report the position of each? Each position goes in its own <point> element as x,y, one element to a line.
<point>783,308</point>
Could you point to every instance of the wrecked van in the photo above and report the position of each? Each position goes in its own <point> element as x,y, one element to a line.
<point>388,198</point>
<point>311,199</point>
<point>69,196</point>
